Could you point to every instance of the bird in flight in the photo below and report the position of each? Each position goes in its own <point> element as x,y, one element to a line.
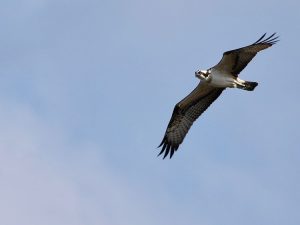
<point>212,83</point>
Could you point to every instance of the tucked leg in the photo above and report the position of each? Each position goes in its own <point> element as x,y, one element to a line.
<point>239,83</point>
<point>245,85</point>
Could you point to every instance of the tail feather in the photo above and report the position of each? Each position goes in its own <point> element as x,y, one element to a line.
<point>249,85</point>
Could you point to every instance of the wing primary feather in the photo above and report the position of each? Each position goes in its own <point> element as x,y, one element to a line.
<point>269,37</point>
<point>163,140</point>
<point>260,38</point>
<point>163,149</point>
<point>273,40</point>
<point>269,40</point>
<point>172,152</point>
<point>167,151</point>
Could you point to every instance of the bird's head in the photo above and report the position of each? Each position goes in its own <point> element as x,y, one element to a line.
<point>203,75</point>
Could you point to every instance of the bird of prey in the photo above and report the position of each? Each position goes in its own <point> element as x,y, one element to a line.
<point>212,83</point>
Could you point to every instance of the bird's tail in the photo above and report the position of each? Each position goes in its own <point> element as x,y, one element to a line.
<point>249,85</point>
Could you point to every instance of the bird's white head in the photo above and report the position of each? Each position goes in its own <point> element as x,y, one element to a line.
<point>203,75</point>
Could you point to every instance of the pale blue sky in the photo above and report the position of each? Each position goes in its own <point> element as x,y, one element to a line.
<point>87,89</point>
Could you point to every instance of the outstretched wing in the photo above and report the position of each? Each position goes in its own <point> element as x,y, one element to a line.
<point>235,61</point>
<point>185,113</point>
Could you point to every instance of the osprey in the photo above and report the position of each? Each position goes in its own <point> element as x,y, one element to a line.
<point>212,83</point>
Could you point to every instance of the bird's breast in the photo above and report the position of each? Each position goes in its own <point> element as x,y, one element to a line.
<point>220,79</point>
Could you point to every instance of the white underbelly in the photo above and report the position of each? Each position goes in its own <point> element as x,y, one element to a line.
<point>221,80</point>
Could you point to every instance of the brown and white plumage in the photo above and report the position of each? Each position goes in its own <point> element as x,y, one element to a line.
<point>184,115</point>
<point>213,82</point>
<point>235,61</point>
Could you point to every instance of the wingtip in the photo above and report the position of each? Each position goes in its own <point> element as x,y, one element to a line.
<point>260,38</point>
<point>173,149</point>
<point>162,142</point>
<point>167,151</point>
<point>162,150</point>
<point>271,40</point>
<point>167,148</point>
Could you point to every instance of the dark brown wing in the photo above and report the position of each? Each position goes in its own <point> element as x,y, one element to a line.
<point>185,113</point>
<point>235,61</point>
